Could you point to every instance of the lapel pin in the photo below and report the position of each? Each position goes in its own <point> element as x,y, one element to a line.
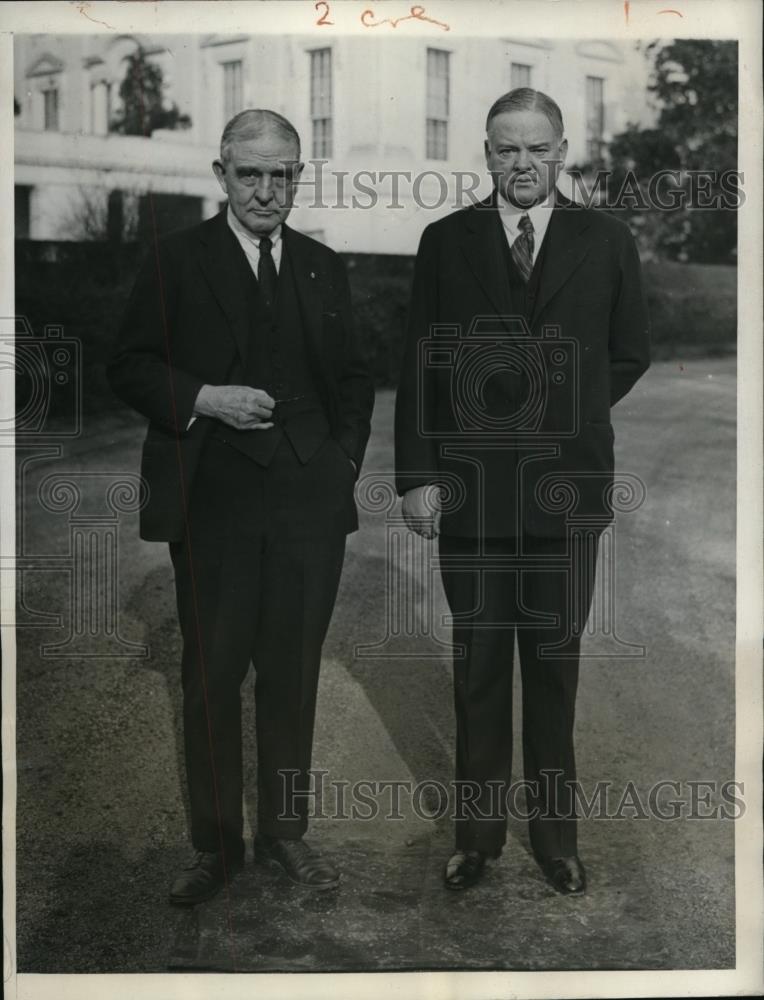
<point>312,274</point>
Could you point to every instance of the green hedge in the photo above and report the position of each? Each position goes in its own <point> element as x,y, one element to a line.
<point>83,287</point>
<point>693,308</point>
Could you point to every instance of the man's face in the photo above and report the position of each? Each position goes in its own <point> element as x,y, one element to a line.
<point>260,176</point>
<point>524,155</point>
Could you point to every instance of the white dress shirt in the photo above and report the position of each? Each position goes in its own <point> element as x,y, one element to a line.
<point>249,242</point>
<point>539,215</point>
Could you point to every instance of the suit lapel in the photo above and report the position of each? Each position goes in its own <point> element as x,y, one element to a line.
<point>483,252</point>
<point>306,276</point>
<point>221,266</point>
<point>566,248</point>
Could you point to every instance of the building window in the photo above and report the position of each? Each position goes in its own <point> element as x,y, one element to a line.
<point>163,213</point>
<point>22,194</point>
<point>115,216</point>
<point>109,87</point>
<point>595,118</point>
<point>519,75</point>
<point>50,110</point>
<point>437,104</point>
<point>321,102</point>
<point>233,95</point>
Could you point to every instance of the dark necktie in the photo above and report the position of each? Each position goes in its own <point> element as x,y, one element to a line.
<point>267,275</point>
<point>522,248</point>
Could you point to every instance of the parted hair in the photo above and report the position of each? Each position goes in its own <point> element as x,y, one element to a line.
<point>527,99</point>
<point>254,122</point>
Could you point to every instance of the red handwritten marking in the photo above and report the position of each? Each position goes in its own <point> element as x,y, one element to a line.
<point>186,524</point>
<point>670,10</point>
<point>416,13</point>
<point>325,15</point>
<point>81,8</point>
<point>626,6</point>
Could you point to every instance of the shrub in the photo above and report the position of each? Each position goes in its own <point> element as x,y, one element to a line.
<point>692,306</point>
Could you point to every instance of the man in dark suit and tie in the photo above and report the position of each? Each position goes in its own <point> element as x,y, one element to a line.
<point>527,323</point>
<point>237,344</point>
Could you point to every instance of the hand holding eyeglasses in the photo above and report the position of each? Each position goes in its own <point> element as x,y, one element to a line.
<point>239,406</point>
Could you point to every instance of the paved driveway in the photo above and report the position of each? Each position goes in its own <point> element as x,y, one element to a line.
<point>101,813</point>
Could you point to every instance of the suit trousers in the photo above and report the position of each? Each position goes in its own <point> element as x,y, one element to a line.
<point>539,591</point>
<point>256,580</point>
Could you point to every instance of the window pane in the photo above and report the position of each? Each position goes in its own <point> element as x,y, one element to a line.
<point>321,83</point>
<point>437,83</point>
<point>51,110</point>
<point>233,97</point>
<point>437,139</point>
<point>520,75</point>
<point>437,104</point>
<point>321,102</point>
<point>322,138</point>
<point>595,117</point>
<point>441,144</point>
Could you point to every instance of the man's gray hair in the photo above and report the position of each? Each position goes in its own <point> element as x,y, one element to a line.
<point>527,99</point>
<point>253,123</point>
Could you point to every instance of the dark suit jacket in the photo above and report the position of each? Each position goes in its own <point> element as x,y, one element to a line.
<point>518,424</point>
<point>186,324</point>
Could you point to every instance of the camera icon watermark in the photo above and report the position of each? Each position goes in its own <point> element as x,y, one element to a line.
<point>502,383</point>
<point>48,381</point>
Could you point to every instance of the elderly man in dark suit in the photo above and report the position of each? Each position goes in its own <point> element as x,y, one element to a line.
<point>237,344</point>
<point>527,323</point>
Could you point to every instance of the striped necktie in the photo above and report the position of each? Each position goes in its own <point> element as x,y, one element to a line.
<point>522,248</point>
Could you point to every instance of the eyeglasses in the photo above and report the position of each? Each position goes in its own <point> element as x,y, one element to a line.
<point>289,399</point>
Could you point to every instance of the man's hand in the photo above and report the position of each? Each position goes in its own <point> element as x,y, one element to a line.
<point>421,510</point>
<point>239,406</point>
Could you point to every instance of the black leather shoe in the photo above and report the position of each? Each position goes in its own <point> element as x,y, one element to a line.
<point>203,878</point>
<point>300,862</point>
<point>464,869</point>
<point>566,875</point>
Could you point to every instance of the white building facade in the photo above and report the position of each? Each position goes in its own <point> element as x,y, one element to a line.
<point>392,128</point>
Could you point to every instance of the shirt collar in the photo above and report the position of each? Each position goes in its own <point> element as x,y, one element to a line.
<point>244,234</point>
<point>538,214</point>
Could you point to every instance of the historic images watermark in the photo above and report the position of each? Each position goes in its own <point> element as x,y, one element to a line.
<point>371,799</point>
<point>48,370</point>
<point>666,190</point>
<point>48,380</point>
<point>511,391</point>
